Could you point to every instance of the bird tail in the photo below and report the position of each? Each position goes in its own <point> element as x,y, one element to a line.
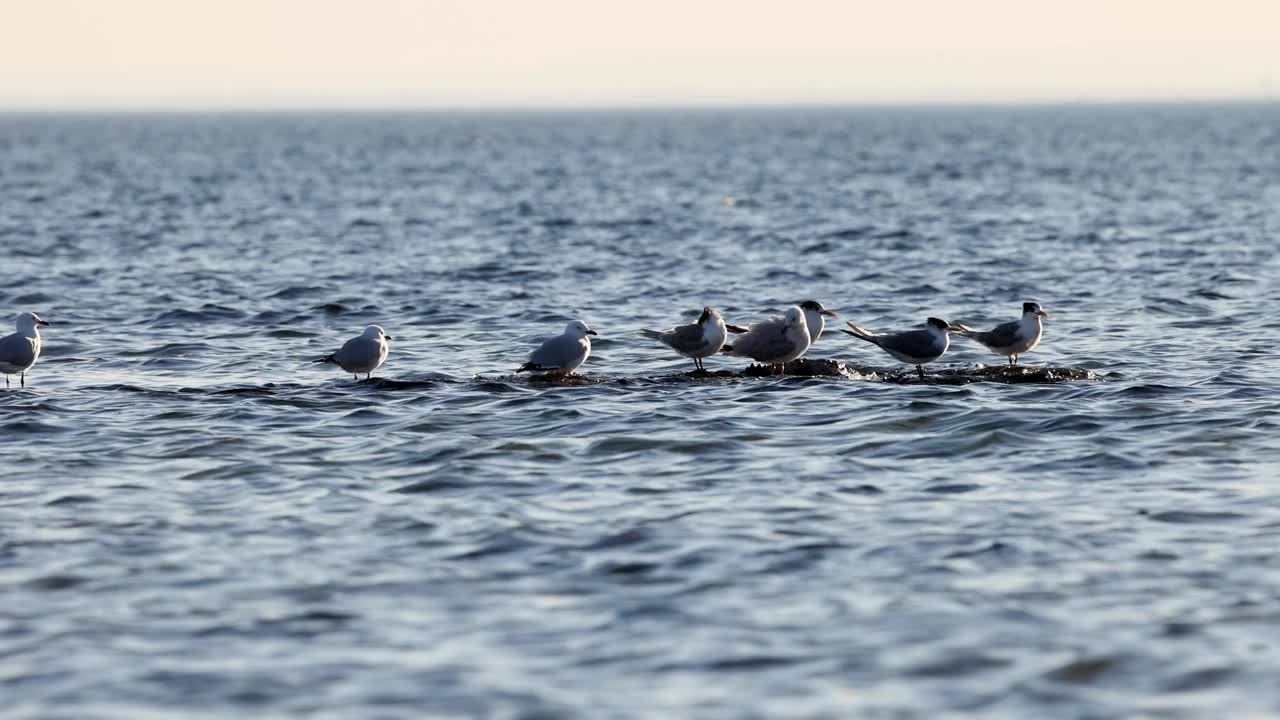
<point>726,349</point>
<point>859,332</point>
<point>651,334</point>
<point>325,359</point>
<point>735,329</point>
<point>529,367</point>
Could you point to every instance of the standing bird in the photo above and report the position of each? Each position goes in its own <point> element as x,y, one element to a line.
<point>1011,339</point>
<point>916,347</point>
<point>813,314</point>
<point>19,351</point>
<point>562,354</point>
<point>697,340</point>
<point>776,341</point>
<point>362,354</point>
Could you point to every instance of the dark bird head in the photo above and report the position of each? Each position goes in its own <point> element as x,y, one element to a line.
<point>938,323</point>
<point>1033,308</point>
<point>707,314</point>
<point>816,306</point>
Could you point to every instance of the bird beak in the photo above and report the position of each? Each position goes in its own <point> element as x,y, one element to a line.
<point>829,313</point>
<point>957,327</point>
<point>1042,313</point>
<point>386,336</point>
<point>43,322</point>
<point>592,332</point>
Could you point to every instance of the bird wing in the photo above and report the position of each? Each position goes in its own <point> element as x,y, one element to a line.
<point>686,338</point>
<point>915,343</point>
<point>774,344</point>
<point>358,351</point>
<point>999,336</point>
<point>766,339</point>
<point>17,351</point>
<point>776,323</point>
<point>560,351</point>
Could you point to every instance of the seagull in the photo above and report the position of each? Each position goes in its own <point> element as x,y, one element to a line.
<point>775,341</point>
<point>562,354</point>
<point>917,347</point>
<point>1011,339</point>
<point>19,351</point>
<point>813,314</point>
<point>696,340</point>
<point>363,353</point>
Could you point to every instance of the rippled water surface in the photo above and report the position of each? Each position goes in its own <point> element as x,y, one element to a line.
<point>196,521</point>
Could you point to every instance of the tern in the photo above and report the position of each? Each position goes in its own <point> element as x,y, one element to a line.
<point>562,354</point>
<point>363,353</point>
<point>697,340</point>
<point>915,347</point>
<point>19,351</point>
<point>1010,339</point>
<point>775,341</point>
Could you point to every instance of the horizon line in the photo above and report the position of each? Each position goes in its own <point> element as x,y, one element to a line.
<point>572,108</point>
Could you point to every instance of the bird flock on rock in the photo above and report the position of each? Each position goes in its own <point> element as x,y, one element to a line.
<point>774,341</point>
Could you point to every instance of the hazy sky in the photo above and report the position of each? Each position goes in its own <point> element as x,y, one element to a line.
<point>189,54</point>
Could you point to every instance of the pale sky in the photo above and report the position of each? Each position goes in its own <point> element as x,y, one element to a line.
<point>348,54</point>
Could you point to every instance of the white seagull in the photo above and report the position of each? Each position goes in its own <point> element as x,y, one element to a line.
<point>562,354</point>
<point>1010,339</point>
<point>776,341</point>
<point>19,351</point>
<point>697,340</point>
<point>916,347</point>
<point>814,313</point>
<point>363,353</point>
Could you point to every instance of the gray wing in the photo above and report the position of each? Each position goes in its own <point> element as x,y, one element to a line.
<point>999,336</point>
<point>686,338</point>
<point>767,339</point>
<point>358,351</point>
<point>773,344</point>
<point>916,343</point>
<point>17,351</point>
<point>560,351</point>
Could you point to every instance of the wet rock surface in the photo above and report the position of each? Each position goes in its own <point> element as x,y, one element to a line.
<point>823,368</point>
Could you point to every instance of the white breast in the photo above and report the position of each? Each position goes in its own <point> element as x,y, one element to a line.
<point>816,324</point>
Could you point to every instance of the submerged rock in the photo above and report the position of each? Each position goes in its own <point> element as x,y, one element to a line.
<point>805,368</point>
<point>979,373</point>
<point>572,379</point>
<point>796,368</point>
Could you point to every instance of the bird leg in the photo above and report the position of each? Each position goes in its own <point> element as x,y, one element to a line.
<point>920,369</point>
<point>23,377</point>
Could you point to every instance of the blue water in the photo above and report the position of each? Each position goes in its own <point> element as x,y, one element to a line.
<point>197,522</point>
